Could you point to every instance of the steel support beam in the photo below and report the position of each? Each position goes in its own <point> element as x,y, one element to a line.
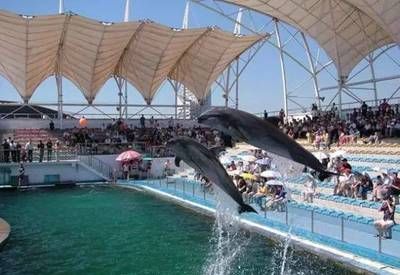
<point>283,70</point>
<point>371,66</point>
<point>313,70</point>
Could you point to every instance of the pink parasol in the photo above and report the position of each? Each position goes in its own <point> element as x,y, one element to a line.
<point>129,155</point>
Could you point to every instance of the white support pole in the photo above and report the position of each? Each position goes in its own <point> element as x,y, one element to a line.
<point>283,70</point>
<point>226,88</point>
<point>126,98</point>
<point>371,66</point>
<point>237,84</point>
<point>185,21</point>
<point>127,9</point>
<point>60,100</point>
<point>184,103</point>
<point>342,81</point>
<point>176,88</point>
<point>60,6</point>
<point>313,70</point>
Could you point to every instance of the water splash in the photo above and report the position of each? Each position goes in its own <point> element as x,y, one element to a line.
<point>228,242</point>
<point>281,260</point>
<point>285,250</point>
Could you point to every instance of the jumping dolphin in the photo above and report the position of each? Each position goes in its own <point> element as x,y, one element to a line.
<point>203,160</point>
<point>262,134</point>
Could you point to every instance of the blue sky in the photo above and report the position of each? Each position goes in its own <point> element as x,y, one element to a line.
<point>260,85</point>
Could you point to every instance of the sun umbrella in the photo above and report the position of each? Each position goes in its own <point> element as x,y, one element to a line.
<point>271,174</point>
<point>320,155</point>
<point>264,161</point>
<point>248,158</point>
<point>339,153</point>
<point>248,176</point>
<point>225,159</point>
<point>128,156</point>
<point>233,172</point>
<point>274,182</point>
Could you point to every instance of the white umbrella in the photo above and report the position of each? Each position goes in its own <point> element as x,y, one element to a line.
<point>320,155</point>
<point>274,182</point>
<point>271,174</point>
<point>248,158</point>
<point>233,172</point>
<point>339,153</point>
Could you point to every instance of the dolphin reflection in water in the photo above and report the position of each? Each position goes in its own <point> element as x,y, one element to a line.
<point>253,130</point>
<point>205,161</point>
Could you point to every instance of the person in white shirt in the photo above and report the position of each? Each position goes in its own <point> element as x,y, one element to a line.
<point>29,150</point>
<point>310,187</point>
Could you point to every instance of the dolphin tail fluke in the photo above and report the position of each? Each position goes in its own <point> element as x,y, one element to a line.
<point>246,208</point>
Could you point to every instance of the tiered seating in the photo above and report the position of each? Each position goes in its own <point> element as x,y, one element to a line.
<point>24,135</point>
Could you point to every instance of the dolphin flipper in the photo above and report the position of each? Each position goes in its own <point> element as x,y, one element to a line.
<point>246,208</point>
<point>177,161</point>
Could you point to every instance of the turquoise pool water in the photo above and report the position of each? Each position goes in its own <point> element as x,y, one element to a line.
<point>114,231</point>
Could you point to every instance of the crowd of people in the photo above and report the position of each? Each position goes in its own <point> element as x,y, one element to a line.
<point>15,152</point>
<point>149,134</point>
<point>365,124</point>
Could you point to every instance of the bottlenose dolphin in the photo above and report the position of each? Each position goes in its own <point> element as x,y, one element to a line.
<point>262,134</point>
<point>203,160</point>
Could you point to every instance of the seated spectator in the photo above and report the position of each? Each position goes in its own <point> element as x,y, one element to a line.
<point>261,193</point>
<point>278,200</point>
<point>384,225</point>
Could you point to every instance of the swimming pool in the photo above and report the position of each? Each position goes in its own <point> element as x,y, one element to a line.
<point>104,230</point>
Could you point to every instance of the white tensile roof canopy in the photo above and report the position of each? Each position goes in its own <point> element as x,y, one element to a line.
<point>88,53</point>
<point>348,30</point>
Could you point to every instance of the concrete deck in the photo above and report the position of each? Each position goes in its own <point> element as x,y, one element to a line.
<point>4,231</point>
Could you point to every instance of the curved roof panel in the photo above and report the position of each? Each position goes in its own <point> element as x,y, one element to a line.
<point>343,30</point>
<point>28,49</point>
<point>89,52</point>
<point>153,53</point>
<point>201,65</point>
<point>386,13</point>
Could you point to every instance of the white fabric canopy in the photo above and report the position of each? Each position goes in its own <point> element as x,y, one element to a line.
<point>348,30</point>
<point>88,53</point>
<point>208,58</point>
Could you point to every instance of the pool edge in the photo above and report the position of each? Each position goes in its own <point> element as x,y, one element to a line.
<point>355,262</point>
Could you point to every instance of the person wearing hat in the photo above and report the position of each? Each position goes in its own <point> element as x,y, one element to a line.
<point>384,225</point>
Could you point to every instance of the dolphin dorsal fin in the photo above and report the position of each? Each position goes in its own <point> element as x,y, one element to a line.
<point>177,161</point>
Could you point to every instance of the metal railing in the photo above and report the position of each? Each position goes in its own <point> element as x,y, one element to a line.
<point>98,165</point>
<point>36,155</point>
<point>344,229</point>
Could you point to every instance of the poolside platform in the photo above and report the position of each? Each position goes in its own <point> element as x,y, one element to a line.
<point>317,240</point>
<point>4,231</point>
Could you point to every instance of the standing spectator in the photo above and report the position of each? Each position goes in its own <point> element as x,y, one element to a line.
<point>151,122</point>
<point>57,149</point>
<point>13,150</point>
<point>49,146</point>
<point>41,150</point>
<point>364,109</point>
<point>6,151</point>
<point>18,148</point>
<point>142,121</point>
<point>51,125</point>
<point>21,174</point>
<point>29,149</point>
<point>282,116</point>
<point>265,115</point>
